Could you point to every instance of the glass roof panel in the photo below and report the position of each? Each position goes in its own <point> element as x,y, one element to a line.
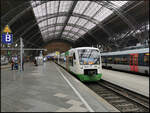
<point>61,19</point>
<point>70,34</point>
<point>52,7</point>
<point>81,22</point>
<point>51,34</point>
<point>80,7</point>
<point>92,9</point>
<point>36,13</point>
<point>81,32</point>
<point>51,21</point>
<point>43,32</point>
<point>89,25</point>
<point>68,27</point>
<point>76,36</point>
<point>68,37</point>
<point>73,19</point>
<point>33,3</point>
<point>103,14</point>
<point>43,23</point>
<point>75,29</point>
<point>119,3</point>
<point>65,6</point>
<point>51,29</point>
<point>65,33</point>
<point>43,8</point>
<point>59,27</point>
<point>57,32</point>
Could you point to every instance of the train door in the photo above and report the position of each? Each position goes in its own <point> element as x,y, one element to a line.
<point>134,62</point>
<point>67,62</point>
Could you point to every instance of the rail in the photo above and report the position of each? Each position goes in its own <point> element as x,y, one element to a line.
<point>123,99</point>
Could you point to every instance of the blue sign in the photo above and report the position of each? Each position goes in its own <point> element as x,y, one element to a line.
<point>7,38</point>
<point>48,56</point>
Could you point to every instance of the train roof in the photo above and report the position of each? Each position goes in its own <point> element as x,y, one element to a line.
<point>85,48</point>
<point>143,50</point>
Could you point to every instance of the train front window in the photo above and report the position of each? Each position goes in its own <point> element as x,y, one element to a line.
<point>89,56</point>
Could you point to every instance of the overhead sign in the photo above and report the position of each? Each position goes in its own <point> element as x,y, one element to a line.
<point>7,36</point>
<point>48,56</point>
<point>7,29</point>
<point>57,53</point>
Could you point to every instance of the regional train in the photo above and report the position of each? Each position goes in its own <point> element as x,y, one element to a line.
<point>136,60</point>
<point>84,62</point>
<point>39,60</point>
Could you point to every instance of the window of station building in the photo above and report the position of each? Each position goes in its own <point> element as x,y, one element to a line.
<point>146,59</point>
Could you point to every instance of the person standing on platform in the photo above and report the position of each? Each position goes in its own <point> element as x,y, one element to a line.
<point>23,63</point>
<point>12,63</point>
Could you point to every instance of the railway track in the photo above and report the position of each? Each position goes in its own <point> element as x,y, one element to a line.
<point>121,98</point>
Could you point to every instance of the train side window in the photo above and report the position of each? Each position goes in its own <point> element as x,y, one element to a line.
<point>146,60</point>
<point>74,57</point>
<point>125,60</point>
<point>117,60</point>
<point>102,60</point>
<point>110,60</point>
<point>70,61</point>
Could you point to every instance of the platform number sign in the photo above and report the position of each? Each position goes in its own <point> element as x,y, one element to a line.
<point>7,36</point>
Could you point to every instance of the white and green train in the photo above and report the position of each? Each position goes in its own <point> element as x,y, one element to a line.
<point>84,62</point>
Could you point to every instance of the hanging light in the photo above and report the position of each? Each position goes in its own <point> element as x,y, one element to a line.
<point>16,45</point>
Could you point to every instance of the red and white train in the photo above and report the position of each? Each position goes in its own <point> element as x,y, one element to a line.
<point>136,60</point>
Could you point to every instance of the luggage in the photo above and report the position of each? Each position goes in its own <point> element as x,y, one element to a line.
<point>16,66</point>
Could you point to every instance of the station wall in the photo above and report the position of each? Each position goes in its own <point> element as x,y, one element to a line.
<point>57,46</point>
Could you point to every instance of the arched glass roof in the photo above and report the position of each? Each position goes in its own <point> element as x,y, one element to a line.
<point>68,14</point>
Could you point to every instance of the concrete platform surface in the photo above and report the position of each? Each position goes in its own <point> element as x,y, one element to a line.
<point>137,83</point>
<point>5,66</point>
<point>47,88</point>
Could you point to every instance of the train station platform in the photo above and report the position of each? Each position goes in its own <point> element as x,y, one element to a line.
<point>5,66</point>
<point>133,82</point>
<point>47,88</point>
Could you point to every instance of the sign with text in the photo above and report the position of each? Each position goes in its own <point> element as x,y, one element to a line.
<point>7,36</point>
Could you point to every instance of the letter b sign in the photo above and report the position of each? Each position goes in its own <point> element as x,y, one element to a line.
<point>7,38</point>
